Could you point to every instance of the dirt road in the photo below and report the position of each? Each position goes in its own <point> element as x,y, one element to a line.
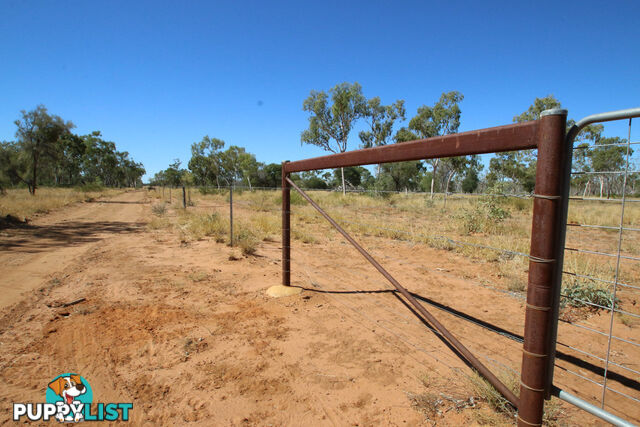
<point>29,255</point>
<point>188,335</point>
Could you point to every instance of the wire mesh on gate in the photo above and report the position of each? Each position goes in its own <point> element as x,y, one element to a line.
<point>601,275</point>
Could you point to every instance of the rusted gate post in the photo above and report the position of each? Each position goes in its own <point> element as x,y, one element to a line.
<point>543,264</point>
<point>286,228</point>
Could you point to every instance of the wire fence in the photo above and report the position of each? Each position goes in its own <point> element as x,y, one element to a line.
<point>601,353</point>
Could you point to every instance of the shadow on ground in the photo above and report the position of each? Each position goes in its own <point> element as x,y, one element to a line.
<point>574,360</point>
<point>32,238</point>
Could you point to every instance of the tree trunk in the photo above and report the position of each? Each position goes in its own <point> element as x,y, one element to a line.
<point>446,190</point>
<point>344,189</point>
<point>35,174</point>
<point>249,181</point>
<point>601,186</point>
<point>433,175</point>
<point>586,188</point>
<point>432,188</point>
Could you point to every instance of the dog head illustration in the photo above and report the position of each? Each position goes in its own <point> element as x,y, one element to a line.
<point>68,387</point>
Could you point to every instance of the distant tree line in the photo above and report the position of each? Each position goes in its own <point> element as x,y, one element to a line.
<point>333,115</point>
<point>47,153</point>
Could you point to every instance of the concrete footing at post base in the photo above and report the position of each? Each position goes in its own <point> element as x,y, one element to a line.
<point>279,291</point>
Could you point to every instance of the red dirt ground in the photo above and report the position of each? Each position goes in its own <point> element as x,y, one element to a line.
<point>189,335</point>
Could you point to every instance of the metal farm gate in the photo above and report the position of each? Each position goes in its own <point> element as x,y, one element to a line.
<point>551,196</point>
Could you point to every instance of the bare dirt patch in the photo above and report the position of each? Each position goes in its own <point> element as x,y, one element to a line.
<point>188,335</point>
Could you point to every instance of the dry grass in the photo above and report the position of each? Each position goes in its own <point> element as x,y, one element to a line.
<point>628,321</point>
<point>246,239</point>
<point>159,208</point>
<point>20,204</point>
<point>502,411</point>
<point>496,222</point>
<point>487,393</point>
<point>196,226</point>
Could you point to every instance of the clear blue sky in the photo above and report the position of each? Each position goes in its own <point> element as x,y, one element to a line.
<point>155,76</point>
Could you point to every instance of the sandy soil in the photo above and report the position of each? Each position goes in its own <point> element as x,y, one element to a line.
<point>189,335</point>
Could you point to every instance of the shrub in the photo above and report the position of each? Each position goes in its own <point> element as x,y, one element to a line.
<point>493,209</point>
<point>472,220</point>
<point>484,217</point>
<point>159,208</point>
<point>199,225</point>
<point>87,188</point>
<point>246,240</point>
<point>577,291</point>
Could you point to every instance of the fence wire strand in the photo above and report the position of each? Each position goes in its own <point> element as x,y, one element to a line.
<point>407,338</point>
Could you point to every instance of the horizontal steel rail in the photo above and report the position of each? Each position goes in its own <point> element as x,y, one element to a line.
<point>592,409</point>
<point>584,147</point>
<point>521,136</point>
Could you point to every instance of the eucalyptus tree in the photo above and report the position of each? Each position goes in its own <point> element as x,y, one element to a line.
<point>37,134</point>
<point>206,162</point>
<point>399,176</point>
<point>609,158</point>
<point>380,119</point>
<point>332,117</point>
<point>441,119</point>
<point>12,165</point>
<point>238,165</point>
<point>520,166</point>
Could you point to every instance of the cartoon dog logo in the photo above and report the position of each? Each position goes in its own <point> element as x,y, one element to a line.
<point>68,388</point>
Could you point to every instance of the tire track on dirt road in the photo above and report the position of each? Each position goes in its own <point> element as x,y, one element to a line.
<point>29,255</point>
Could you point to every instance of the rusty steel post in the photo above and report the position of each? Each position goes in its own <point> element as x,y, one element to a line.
<point>543,263</point>
<point>286,228</point>
<point>184,197</point>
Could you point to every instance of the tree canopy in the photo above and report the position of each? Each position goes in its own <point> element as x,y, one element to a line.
<point>46,152</point>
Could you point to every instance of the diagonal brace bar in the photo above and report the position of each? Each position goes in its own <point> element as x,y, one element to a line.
<point>483,370</point>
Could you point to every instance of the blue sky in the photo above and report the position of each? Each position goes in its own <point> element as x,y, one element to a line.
<point>155,76</point>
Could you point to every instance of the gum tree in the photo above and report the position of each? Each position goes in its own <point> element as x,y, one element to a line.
<point>441,119</point>
<point>332,117</point>
<point>37,134</point>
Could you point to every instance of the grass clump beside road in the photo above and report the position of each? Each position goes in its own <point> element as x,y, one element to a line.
<point>21,204</point>
<point>196,226</point>
<point>159,209</point>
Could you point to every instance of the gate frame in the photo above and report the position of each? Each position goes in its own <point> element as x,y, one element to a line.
<point>547,135</point>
